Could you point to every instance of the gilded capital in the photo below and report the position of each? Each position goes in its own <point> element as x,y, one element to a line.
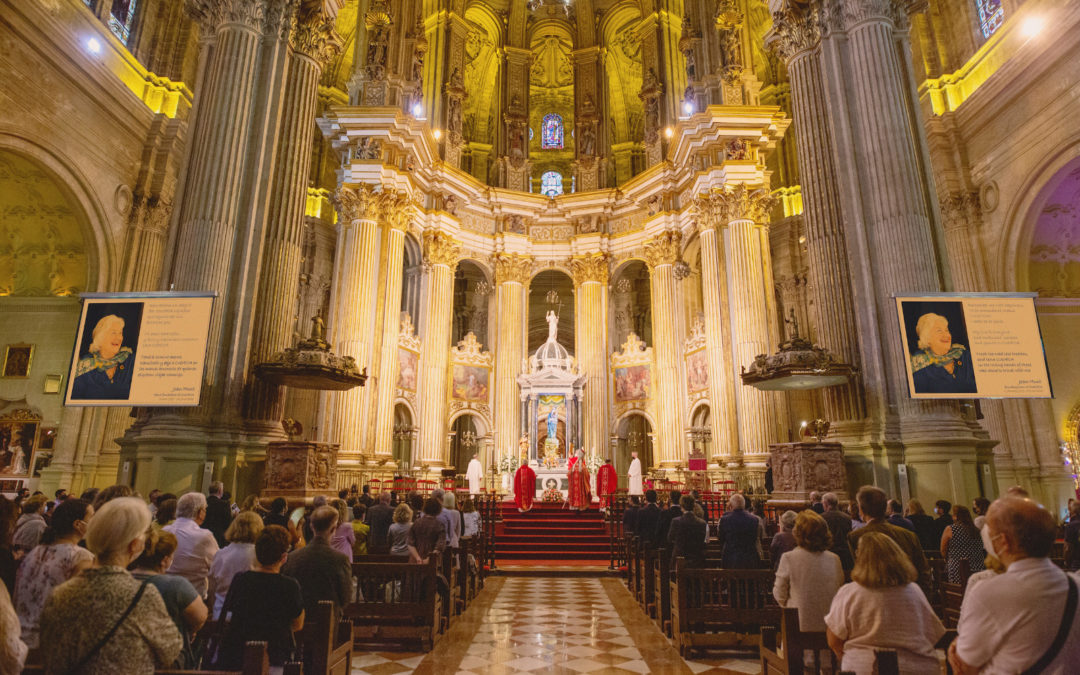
<point>395,209</point>
<point>441,249</point>
<point>663,249</point>
<point>854,12</point>
<point>590,268</point>
<point>742,203</point>
<point>314,36</point>
<point>708,211</point>
<point>260,15</point>
<point>352,204</point>
<point>510,268</point>
<point>958,209</point>
<point>794,31</point>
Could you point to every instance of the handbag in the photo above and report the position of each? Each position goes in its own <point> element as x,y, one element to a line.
<point>1063,632</point>
<point>112,631</point>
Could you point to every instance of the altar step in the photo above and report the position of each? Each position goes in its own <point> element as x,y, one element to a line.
<point>549,532</point>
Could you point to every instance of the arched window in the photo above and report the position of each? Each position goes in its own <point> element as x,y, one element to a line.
<point>991,16</point>
<point>551,133</point>
<point>121,19</point>
<point>551,182</point>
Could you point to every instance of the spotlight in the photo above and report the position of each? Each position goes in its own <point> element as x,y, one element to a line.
<point>1032,26</point>
<point>417,110</point>
<point>688,107</point>
<point>438,134</point>
<point>93,46</point>
<point>669,132</point>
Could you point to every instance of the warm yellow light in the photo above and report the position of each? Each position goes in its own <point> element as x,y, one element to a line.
<point>438,134</point>
<point>1032,26</point>
<point>669,132</point>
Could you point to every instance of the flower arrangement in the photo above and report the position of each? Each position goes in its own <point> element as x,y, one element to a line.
<point>551,495</point>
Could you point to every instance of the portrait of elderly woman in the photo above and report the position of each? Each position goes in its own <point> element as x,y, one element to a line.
<point>105,367</point>
<point>939,365</point>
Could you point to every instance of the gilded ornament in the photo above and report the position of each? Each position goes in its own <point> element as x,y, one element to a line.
<point>353,204</point>
<point>794,32</point>
<point>314,36</point>
<point>441,249</point>
<point>593,268</point>
<point>511,268</point>
<point>663,249</point>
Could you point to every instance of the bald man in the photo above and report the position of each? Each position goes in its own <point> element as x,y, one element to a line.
<point>1019,621</point>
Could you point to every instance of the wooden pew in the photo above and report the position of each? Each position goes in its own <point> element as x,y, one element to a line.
<point>662,584</point>
<point>710,602</point>
<point>327,645</point>
<point>395,603</point>
<point>782,650</point>
<point>467,580</point>
<point>454,605</point>
<point>256,662</point>
<point>647,585</point>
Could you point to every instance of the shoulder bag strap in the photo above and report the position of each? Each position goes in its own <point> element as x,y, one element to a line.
<point>112,631</point>
<point>1063,631</point>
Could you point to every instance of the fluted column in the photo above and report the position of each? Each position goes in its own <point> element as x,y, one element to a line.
<point>512,276</point>
<point>721,386</point>
<point>441,254</point>
<point>661,254</point>
<point>313,42</point>
<point>746,213</point>
<point>396,213</point>
<point>796,37</point>
<point>352,311</point>
<point>591,339</point>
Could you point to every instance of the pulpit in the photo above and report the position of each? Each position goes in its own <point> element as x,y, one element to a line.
<point>802,468</point>
<point>300,470</point>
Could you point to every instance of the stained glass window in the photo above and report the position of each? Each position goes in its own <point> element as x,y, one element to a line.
<point>990,16</point>
<point>551,182</point>
<point>551,133</point>
<point>121,18</point>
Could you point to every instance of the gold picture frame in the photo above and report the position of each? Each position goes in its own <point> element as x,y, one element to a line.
<point>17,360</point>
<point>54,384</point>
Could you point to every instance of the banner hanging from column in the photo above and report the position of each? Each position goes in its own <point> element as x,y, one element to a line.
<point>973,345</point>
<point>140,349</point>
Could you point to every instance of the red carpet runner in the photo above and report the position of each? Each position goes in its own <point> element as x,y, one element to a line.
<point>552,534</point>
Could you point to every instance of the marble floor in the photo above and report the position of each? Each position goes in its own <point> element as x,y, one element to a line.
<point>550,625</point>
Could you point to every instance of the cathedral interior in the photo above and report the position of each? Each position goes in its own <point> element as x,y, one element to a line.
<point>684,184</point>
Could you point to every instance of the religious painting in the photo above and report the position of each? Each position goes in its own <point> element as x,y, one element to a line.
<point>16,446</point>
<point>632,383</point>
<point>17,360</point>
<point>469,383</point>
<point>407,369</point>
<point>10,485</point>
<point>697,371</point>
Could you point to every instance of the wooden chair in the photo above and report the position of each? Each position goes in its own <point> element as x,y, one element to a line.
<point>782,651</point>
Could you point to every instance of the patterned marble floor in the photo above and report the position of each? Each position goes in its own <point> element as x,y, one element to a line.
<point>550,625</point>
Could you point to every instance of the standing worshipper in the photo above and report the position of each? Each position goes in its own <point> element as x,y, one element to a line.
<point>962,541</point>
<point>634,475</point>
<point>607,481</point>
<point>739,533</point>
<point>196,547</point>
<point>218,513</point>
<point>524,486</point>
<point>839,527</point>
<point>323,572</point>
<point>379,518</point>
<point>579,495</point>
<point>475,474</point>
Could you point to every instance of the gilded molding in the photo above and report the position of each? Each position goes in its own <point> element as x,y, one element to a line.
<point>663,249</point>
<point>590,268</point>
<point>441,249</point>
<point>314,36</point>
<point>395,209</point>
<point>510,268</point>
<point>794,32</point>
<point>718,207</point>
<point>353,204</point>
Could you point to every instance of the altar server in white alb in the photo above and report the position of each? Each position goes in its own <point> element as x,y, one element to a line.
<point>475,474</point>
<point>635,475</point>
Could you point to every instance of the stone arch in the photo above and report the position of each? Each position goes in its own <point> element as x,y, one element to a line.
<point>462,421</point>
<point>623,429</point>
<point>550,279</point>
<point>623,72</point>
<point>412,278</point>
<point>473,297</point>
<point>404,433</point>
<point>630,303</point>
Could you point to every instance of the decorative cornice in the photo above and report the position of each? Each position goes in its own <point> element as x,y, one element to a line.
<point>211,14</point>
<point>663,249</point>
<point>855,12</point>
<point>353,204</point>
<point>469,351</point>
<point>510,268</point>
<point>441,249</point>
<point>315,37</point>
<point>719,206</point>
<point>590,268</point>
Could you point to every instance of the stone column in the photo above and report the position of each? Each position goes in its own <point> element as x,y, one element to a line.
<point>512,276</point>
<point>396,213</point>
<point>350,327</point>
<point>313,42</point>
<point>747,258</point>
<point>441,254</point>
<point>661,254</point>
<point>591,339</point>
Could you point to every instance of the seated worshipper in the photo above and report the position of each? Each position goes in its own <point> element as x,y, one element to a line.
<point>673,511</point>
<point>872,502</point>
<point>323,572</point>
<point>738,532</point>
<point>262,605</point>
<point>630,515</point>
<point>1018,622</point>
<point>218,513</point>
<point>185,607</point>
<point>524,486</point>
<point>810,575</point>
<point>31,524</point>
<point>378,518</point>
<point>943,510</point>
<point>940,366</point>
<point>839,527</point>
<point>57,559</point>
<point>196,547</point>
<point>687,535</point>
<point>110,493</point>
<point>399,531</point>
<point>428,534</point>
<point>962,542</point>
<point>343,538</point>
<point>882,608</point>
<point>648,518</point>
<point>238,556</point>
<point>360,529</point>
<point>105,372</point>
<point>783,541</point>
<point>12,650</point>
<point>925,530</point>
<point>471,516</point>
<point>896,516</point>
<point>104,621</point>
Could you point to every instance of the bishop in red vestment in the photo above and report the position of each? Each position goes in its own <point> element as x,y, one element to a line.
<point>606,483</point>
<point>524,487</point>
<point>579,495</point>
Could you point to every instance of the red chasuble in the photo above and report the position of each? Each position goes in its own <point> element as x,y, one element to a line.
<point>579,497</point>
<point>606,483</point>
<point>524,487</point>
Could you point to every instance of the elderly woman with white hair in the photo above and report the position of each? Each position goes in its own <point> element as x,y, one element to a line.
<point>104,620</point>
<point>105,373</point>
<point>940,366</point>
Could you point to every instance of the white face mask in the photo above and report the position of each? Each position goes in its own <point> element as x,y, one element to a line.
<point>988,542</point>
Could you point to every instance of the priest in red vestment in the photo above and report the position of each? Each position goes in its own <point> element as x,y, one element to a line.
<point>524,486</point>
<point>606,483</point>
<point>579,495</point>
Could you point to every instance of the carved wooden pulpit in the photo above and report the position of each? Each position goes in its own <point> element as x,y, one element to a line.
<point>300,470</point>
<point>802,468</point>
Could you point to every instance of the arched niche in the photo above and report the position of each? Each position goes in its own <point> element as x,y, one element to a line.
<point>630,304</point>
<point>412,276</point>
<point>690,283</point>
<point>472,303</point>
<point>633,432</point>
<point>547,286</point>
<point>468,435</point>
<point>404,436</point>
<point>551,93</point>
<point>483,103</point>
<point>700,431</point>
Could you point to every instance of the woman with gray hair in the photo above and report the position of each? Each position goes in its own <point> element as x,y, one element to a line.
<point>783,541</point>
<point>940,366</point>
<point>105,372</point>
<point>104,620</point>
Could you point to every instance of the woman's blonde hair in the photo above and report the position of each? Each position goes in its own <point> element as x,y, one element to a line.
<point>914,507</point>
<point>159,545</point>
<point>811,531</point>
<point>245,528</point>
<point>881,563</point>
<point>115,526</point>
<point>925,324</point>
<point>342,510</point>
<point>403,514</point>
<point>100,327</point>
<point>449,501</point>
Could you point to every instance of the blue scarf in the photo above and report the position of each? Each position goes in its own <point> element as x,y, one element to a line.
<point>926,358</point>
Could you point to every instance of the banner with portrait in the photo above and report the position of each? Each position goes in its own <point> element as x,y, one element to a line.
<point>973,345</point>
<point>140,349</point>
